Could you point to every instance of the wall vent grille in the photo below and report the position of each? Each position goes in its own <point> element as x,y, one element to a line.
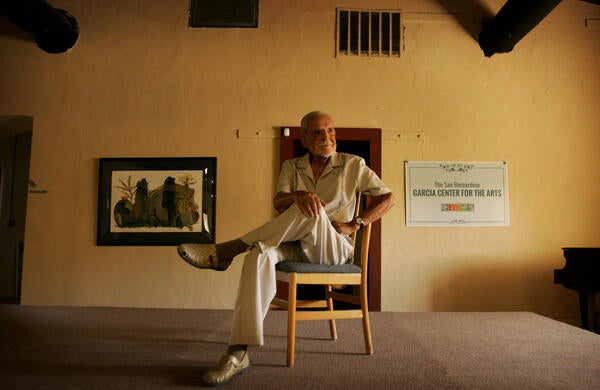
<point>368,33</point>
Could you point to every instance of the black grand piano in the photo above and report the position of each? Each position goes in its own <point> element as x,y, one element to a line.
<point>582,274</point>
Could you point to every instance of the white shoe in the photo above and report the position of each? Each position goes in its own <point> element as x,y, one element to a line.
<point>201,256</point>
<point>227,368</point>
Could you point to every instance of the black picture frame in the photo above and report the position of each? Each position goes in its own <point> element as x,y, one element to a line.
<point>156,201</point>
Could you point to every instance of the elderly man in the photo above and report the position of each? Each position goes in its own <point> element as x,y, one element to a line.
<point>316,196</point>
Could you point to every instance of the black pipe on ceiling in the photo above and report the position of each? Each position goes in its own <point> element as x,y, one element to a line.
<point>54,30</point>
<point>514,20</point>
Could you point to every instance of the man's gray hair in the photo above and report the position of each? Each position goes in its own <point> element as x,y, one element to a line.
<point>308,117</point>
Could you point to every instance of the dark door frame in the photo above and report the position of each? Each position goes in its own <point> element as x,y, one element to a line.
<point>291,147</point>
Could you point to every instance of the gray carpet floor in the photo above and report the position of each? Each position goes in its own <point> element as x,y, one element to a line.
<point>119,348</point>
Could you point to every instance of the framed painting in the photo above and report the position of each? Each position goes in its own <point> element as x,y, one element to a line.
<point>156,201</point>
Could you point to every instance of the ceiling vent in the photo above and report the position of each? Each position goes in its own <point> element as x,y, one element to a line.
<point>368,33</point>
<point>224,13</point>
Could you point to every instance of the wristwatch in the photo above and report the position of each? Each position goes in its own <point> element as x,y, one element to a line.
<point>359,221</point>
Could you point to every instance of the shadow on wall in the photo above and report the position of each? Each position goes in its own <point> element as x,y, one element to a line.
<point>470,8</point>
<point>9,29</point>
<point>485,284</point>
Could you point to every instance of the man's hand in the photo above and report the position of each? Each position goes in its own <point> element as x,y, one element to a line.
<point>378,206</point>
<point>309,203</point>
<point>346,228</point>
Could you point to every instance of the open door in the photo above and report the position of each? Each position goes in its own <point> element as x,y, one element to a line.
<point>363,142</point>
<point>14,173</point>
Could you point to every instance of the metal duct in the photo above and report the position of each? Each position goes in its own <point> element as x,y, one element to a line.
<point>54,30</point>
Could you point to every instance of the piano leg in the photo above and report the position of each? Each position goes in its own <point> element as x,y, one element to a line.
<point>587,307</point>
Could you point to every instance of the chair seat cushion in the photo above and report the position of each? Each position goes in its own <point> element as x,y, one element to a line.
<point>301,267</point>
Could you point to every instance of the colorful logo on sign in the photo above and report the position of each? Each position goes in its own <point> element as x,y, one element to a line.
<point>458,206</point>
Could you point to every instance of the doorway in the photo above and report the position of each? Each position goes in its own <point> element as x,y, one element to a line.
<point>363,142</point>
<point>15,152</point>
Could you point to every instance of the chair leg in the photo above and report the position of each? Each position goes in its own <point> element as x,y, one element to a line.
<point>332,328</point>
<point>364,306</point>
<point>367,332</point>
<point>291,337</point>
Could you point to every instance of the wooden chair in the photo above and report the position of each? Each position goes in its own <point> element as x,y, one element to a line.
<point>298,273</point>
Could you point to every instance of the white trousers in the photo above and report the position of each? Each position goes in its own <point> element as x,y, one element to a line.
<point>291,236</point>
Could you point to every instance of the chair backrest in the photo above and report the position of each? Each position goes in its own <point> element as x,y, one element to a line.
<point>357,208</point>
<point>362,240</point>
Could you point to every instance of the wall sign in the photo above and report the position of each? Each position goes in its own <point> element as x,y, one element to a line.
<point>444,193</point>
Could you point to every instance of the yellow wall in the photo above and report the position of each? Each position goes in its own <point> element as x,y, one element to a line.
<point>140,83</point>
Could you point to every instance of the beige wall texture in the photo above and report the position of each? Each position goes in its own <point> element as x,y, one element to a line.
<point>140,83</point>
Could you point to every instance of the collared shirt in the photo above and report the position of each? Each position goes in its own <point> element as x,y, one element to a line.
<point>344,176</point>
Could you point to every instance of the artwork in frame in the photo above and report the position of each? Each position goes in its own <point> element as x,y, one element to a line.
<point>156,201</point>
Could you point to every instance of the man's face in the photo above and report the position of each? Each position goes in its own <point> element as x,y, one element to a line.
<point>320,137</point>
